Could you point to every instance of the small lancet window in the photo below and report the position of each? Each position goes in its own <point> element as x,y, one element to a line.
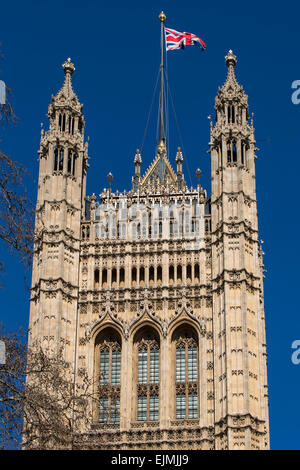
<point>151,275</point>
<point>142,276</point>
<point>179,274</point>
<point>70,161</point>
<point>60,159</point>
<point>104,278</point>
<point>96,279</point>
<point>56,159</point>
<point>196,273</point>
<point>122,277</point>
<point>189,274</point>
<point>133,276</point>
<point>171,274</point>
<point>114,278</point>
<point>159,275</point>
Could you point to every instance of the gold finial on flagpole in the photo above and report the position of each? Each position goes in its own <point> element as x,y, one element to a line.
<point>162,17</point>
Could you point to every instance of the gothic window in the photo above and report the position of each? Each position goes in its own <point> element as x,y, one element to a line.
<point>80,126</point>
<point>234,151</point>
<point>63,127</point>
<point>179,274</point>
<point>231,151</point>
<point>60,159</point>
<point>148,360</point>
<point>70,161</point>
<point>96,279</point>
<point>189,274</point>
<point>171,274</point>
<point>159,275</point>
<point>196,273</point>
<point>160,229</point>
<point>142,276</point>
<point>122,277</point>
<point>114,278</point>
<point>231,114</point>
<point>133,276</point>
<point>56,159</point>
<point>186,375</point>
<point>151,275</point>
<point>171,228</point>
<point>104,278</point>
<point>74,164</point>
<point>108,357</point>
<point>150,225</point>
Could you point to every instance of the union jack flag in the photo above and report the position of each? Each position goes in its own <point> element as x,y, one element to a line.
<point>177,40</point>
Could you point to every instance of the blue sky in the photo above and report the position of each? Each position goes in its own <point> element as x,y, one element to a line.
<point>116,54</point>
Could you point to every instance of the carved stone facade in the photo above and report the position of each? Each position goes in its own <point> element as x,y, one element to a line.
<point>159,289</point>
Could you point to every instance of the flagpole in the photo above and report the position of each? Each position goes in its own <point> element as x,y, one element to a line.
<point>162,136</point>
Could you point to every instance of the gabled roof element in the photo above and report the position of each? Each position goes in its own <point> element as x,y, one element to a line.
<point>160,173</point>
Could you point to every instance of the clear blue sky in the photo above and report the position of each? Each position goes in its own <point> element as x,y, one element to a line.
<point>116,53</point>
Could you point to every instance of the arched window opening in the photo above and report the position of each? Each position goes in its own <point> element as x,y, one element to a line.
<point>147,352</point>
<point>159,275</point>
<point>70,161</point>
<point>196,273</point>
<point>151,275</point>
<point>96,279</point>
<point>160,229</point>
<point>64,123</point>
<point>61,160</point>
<point>179,274</point>
<point>231,114</point>
<point>229,152</point>
<point>108,356</point>
<point>104,278</point>
<point>133,277</point>
<point>234,151</point>
<point>74,164</point>
<point>189,274</point>
<point>59,122</point>
<point>114,278</point>
<point>171,275</point>
<point>186,376</point>
<point>56,159</point>
<point>122,277</point>
<point>142,277</point>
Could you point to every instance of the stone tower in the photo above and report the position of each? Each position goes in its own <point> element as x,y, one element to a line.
<point>61,195</point>
<point>156,292</point>
<point>241,403</point>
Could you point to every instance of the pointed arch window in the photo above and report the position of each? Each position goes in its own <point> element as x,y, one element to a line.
<point>231,151</point>
<point>109,371</point>
<point>186,376</point>
<point>231,114</point>
<point>70,154</point>
<point>58,159</point>
<point>148,362</point>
